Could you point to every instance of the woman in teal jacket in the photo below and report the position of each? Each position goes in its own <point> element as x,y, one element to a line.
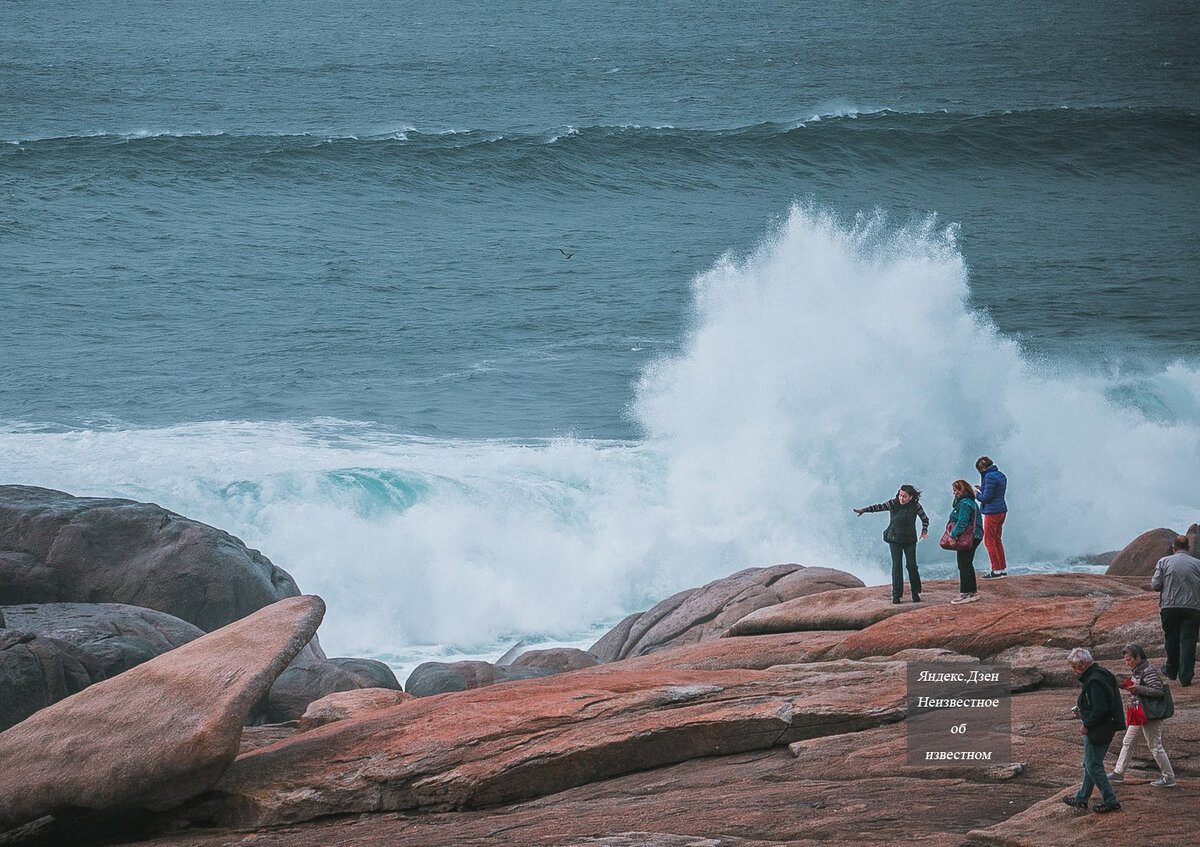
<point>963,514</point>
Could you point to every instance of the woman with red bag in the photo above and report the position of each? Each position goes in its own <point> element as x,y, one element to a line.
<point>964,518</point>
<point>1143,683</point>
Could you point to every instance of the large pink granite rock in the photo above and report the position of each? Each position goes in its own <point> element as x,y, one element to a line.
<point>506,742</point>
<point>157,734</point>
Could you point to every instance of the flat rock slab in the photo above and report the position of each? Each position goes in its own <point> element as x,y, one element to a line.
<point>504,743</point>
<point>1160,816</point>
<point>157,734</point>
<point>859,608</point>
<point>997,623</point>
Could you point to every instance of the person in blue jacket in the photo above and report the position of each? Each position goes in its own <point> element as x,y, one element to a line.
<point>990,493</point>
<point>965,512</point>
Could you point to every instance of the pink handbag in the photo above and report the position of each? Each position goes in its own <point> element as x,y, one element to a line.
<point>964,542</point>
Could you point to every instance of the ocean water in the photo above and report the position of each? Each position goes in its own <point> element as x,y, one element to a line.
<point>492,321</point>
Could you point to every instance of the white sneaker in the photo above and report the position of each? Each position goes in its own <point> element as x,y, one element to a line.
<point>964,598</point>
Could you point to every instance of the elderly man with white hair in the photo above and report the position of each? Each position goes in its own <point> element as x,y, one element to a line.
<point>1099,707</point>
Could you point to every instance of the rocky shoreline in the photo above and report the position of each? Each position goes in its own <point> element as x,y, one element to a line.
<point>164,685</point>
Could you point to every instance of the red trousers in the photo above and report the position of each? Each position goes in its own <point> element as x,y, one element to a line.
<point>993,525</point>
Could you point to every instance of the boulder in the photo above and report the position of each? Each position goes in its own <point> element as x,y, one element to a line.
<point>431,678</point>
<point>157,734</point>
<point>58,548</point>
<point>370,673</point>
<point>556,659</point>
<point>118,636</point>
<point>36,670</point>
<point>301,684</point>
<point>1139,557</point>
<point>706,612</point>
<point>348,704</point>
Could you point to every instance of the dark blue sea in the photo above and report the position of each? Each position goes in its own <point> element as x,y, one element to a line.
<point>500,320</point>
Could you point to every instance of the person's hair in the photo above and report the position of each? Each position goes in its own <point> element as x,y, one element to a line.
<point>1180,543</point>
<point>911,491</point>
<point>961,486</point>
<point>1136,650</point>
<point>983,462</point>
<point>1079,656</point>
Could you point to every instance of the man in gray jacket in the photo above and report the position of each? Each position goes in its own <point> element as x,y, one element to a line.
<point>1177,578</point>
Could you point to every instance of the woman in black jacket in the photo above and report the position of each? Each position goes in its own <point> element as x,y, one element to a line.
<point>901,536</point>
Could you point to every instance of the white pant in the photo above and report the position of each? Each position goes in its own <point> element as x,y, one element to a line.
<point>1152,732</point>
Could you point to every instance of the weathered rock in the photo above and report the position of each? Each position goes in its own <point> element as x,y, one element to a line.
<point>752,652</point>
<point>264,735</point>
<point>1055,673</point>
<point>708,611</point>
<point>36,670</point>
<point>118,636</point>
<point>370,673</point>
<point>158,733</point>
<point>1159,814</point>
<point>58,548</point>
<point>430,678</point>
<point>848,789</point>
<point>545,735</point>
<point>311,677</point>
<point>994,624</point>
<point>348,704</point>
<point>299,685</point>
<point>858,608</point>
<point>846,784</point>
<point>1139,556</point>
<point>556,659</point>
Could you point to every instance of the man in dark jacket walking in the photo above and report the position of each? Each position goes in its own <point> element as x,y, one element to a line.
<point>1177,577</point>
<point>990,494</point>
<point>1099,707</point>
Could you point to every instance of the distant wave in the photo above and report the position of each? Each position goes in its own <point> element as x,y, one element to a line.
<point>843,116</point>
<point>1090,142</point>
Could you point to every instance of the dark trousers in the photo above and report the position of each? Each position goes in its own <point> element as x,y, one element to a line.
<point>1093,772</point>
<point>1180,629</point>
<point>966,569</point>
<point>909,552</point>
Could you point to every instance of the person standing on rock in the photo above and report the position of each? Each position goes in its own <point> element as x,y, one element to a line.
<point>990,493</point>
<point>1143,684</point>
<point>1099,707</point>
<point>901,536</point>
<point>1177,579</point>
<point>964,514</point>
